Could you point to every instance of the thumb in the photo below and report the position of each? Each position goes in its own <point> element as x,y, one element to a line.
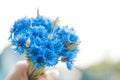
<point>18,72</point>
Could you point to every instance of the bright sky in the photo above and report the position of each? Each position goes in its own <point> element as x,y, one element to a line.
<point>97,22</point>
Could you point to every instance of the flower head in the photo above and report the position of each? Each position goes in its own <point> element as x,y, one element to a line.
<point>51,58</point>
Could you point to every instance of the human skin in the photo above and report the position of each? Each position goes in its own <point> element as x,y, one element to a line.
<point>19,72</point>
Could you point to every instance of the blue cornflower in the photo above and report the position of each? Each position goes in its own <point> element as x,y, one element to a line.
<point>66,35</point>
<point>39,62</point>
<point>37,41</point>
<point>43,21</point>
<point>68,57</point>
<point>19,43</point>
<point>58,46</point>
<point>20,27</point>
<point>33,50</point>
<point>36,55</point>
<point>51,58</point>
<point>20,24</point>
<point>62,34</point>
<point>39,31</point>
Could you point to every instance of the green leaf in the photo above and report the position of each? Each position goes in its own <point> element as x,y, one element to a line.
<point>38,15</point>
<point>53,27</point>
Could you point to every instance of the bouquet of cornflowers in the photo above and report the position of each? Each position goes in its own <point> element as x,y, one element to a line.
<point>44,43</point>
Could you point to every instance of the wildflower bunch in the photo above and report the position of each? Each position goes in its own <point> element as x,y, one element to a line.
<point>44,43</point>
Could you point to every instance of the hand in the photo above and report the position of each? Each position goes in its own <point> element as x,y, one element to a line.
<point>19,72</point>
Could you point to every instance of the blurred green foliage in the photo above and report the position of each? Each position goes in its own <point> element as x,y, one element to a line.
<point>106,70</point>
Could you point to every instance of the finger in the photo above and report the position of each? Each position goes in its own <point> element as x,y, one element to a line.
<point>18,72</point>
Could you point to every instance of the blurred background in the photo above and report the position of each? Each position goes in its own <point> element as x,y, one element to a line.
<point>97,22</point>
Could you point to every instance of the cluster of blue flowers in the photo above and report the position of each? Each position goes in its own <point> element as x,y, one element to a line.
<point>46,42</point>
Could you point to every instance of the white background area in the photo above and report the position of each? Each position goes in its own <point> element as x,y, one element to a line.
<point>97,22</point>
